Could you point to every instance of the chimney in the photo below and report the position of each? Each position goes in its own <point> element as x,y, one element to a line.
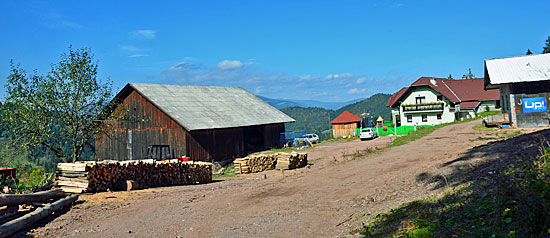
<point>433,81</point>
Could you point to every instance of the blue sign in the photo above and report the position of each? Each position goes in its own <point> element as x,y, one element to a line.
<point>534,105</point>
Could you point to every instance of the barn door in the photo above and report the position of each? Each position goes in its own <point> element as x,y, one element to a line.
<point>129,145</point>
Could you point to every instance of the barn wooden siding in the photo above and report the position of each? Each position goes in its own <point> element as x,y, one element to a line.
<point>144,124</point>
<point>344,129</point>
<point>141,126</point>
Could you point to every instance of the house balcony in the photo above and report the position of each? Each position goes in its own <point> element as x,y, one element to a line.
<point>423,107</point>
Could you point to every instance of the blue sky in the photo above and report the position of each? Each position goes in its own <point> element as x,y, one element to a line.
<point>322,50</point>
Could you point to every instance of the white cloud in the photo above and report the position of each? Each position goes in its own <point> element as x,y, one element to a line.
<point>356,91</point>
<point>129,49</point>
<point>230,64</point>
<point>361,80</point>
<point>143,34</point>
<point>258,90</point>
<point>137,55</point>
<point>305,77</point>
<point>398,5</point>
<point>339,76</point>
<point>274,84</point>
<point>182,67</point>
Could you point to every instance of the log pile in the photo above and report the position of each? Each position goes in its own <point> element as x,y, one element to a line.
<point>125,175</point>
<point>263,162</point>
<point>291,160</point>
<point>56,199</point>
<point>255,163</point>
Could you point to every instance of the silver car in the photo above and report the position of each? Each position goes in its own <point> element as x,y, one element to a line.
<point>313,138</point>
<point>368,133</point>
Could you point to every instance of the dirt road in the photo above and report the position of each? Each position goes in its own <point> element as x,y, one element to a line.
<point>328,199</point>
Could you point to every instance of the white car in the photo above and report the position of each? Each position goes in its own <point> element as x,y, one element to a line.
<point>313,138</point>
<point>368,133</point>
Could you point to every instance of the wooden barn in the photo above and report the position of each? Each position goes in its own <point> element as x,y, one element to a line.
<point>345,124</point>
<point>201,122</point>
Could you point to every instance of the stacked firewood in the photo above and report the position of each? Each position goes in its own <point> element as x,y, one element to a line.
<point>256,163</point>
<point>115,175</point>
<point>263,162</point>
<point>291,160</point>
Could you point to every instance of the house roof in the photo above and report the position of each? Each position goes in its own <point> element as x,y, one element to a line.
<point>393,99</point>
<point>454,90</point>
<point>469,104</point>
<point>527,68</point>
<point>472,89</point>
<point>346,117</point>
<point>208,107</point>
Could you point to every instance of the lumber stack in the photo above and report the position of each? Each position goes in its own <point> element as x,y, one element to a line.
<point>256,163</point>
<point>263,162</point>
<point>114,175</point>
<point>291,160</point>
<point>73,177</point>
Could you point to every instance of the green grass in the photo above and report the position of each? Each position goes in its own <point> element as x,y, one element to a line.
<point>275,150</point>
<point>229,171</point>
<point>480,127</point>
<point>482,114</point>
<point>512,203</point>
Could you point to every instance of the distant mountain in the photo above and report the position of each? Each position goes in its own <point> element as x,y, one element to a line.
<point>281,103</point>
<point>374,105</point>
<point>317,120</point>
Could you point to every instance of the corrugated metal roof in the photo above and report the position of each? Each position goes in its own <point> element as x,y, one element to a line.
<point>527,68</point>
<point>209,107</point>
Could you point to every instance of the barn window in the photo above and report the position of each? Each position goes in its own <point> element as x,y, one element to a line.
<point>438,116</point>
<point>409,118</point>
<point>424,118</point>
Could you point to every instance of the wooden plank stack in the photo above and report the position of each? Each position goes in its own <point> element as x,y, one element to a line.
<point>263,162</point>
<point>255,163</point>
<point>291,160</point>
<point>113,175</point>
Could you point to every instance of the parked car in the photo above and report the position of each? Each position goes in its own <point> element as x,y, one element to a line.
<point>313,138</point>
<point>368,133</point>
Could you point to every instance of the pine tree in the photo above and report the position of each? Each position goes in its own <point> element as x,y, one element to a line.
<point>470,75</point>
<point>529,52</point>
<point>546,48</point>
<point>450,77</point>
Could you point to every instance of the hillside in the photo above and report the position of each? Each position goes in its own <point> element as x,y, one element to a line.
<point>282,103</point>
<point>317,120</point>
<point>374,105</point>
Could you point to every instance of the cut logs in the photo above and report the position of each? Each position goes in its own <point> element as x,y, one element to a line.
<point>263,162</point>
<point>292,160</point>
<point>114,175</point>
<point>16,225</point>
<point>16,199</point>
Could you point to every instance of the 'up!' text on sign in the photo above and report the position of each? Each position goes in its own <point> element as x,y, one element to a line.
<point>534,105</point>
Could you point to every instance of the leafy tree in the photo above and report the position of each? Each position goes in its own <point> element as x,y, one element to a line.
<point>470,75</point>
<point>546,48</point>
<point>59,110</point>
<point>529,52</point>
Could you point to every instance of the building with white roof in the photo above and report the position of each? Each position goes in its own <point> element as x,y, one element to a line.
<point>524,84</point>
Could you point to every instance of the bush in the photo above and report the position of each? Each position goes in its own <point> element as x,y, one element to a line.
<point>29,181</point>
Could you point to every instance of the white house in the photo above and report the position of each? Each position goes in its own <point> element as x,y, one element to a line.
<point>432,101</point>
<point>524,84</point>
